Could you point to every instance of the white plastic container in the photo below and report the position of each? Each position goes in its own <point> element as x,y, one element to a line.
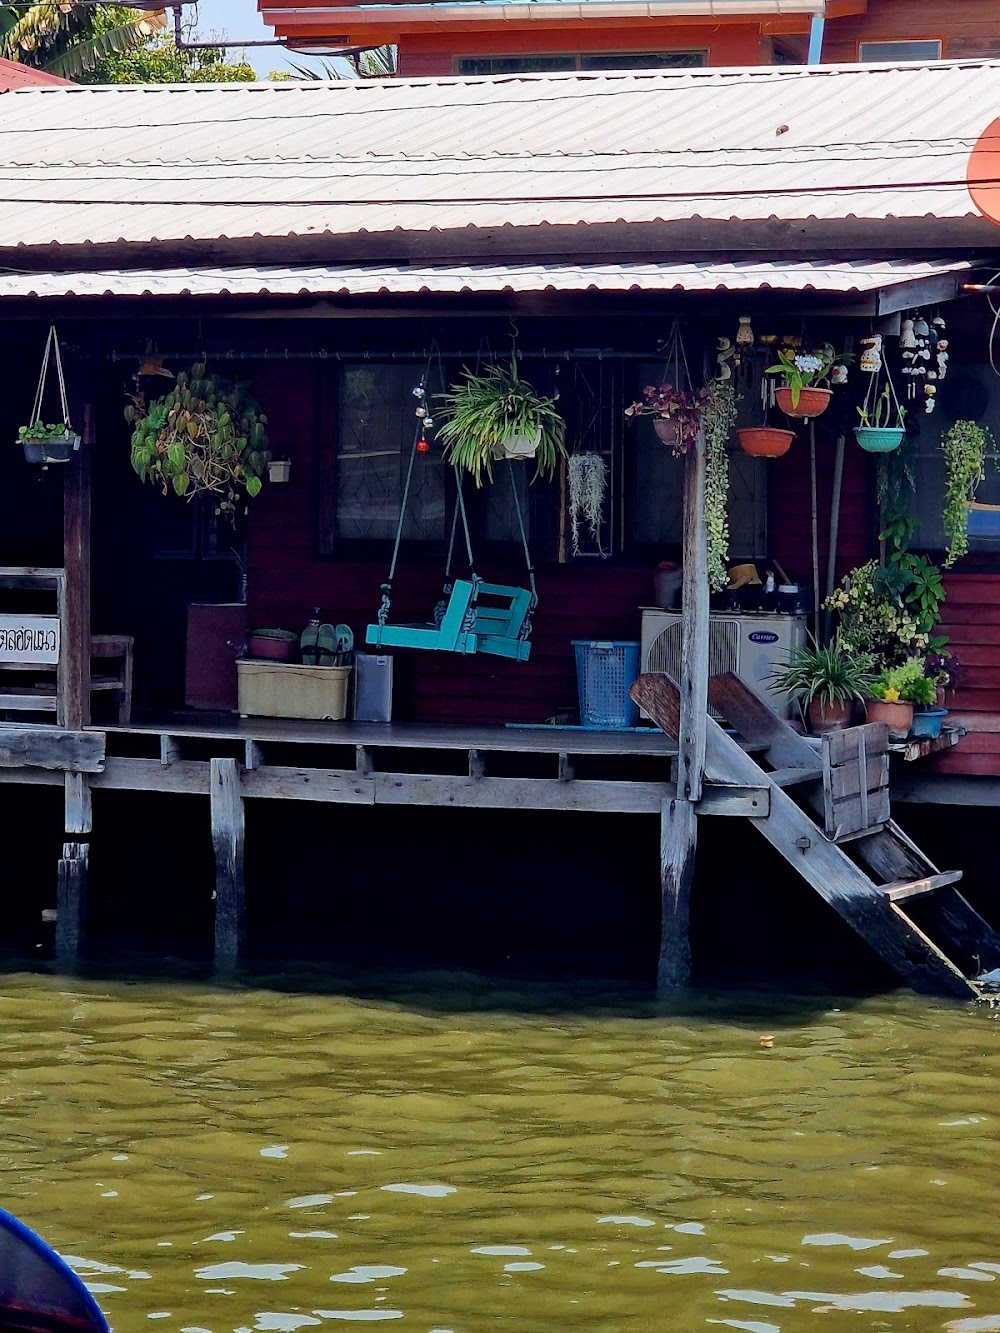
<point>282,689</point>
<point>373,687</point>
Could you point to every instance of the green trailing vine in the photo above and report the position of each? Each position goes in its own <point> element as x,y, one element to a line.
<point>718,421</point>
<point>966,447</point>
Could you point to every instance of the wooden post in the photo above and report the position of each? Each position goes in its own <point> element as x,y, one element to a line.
<point>71,902</point>
<point>694,651</point>
<point>74,694</point>
<point>228,840</point>
<point>678,843</point>
<point>75,666</point>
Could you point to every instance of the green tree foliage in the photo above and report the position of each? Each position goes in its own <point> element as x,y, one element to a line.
<point>158,60</point>
<point>70,37</point>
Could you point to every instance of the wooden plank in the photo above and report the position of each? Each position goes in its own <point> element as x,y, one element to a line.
<point>228,842</point>
<point>843,745</point>
<point>74,666</point>
<point>920,749</point>
<point>276,782</point>
<point>695,628</point>
<point>678,847</point>
<point>30,576</point>
<point>71,903</point>
<point>188,777</point>
<point>845,779</point>
<point>971,940</point>
<point>79,814</point>
<point>900,890</point>
<point>792,777</point>
<point>746,802</point>
<point>752,717</point>
<point>856,813</point>
<point>659,690</point>
<point>46,747</point>
<point>26,701</point>
<point>519,793</point>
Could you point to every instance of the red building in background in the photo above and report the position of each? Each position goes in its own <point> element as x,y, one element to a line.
<point>441,37</point>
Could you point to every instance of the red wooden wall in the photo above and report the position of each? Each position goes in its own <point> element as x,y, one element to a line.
<point>968,28</point>
<point>592,600</point>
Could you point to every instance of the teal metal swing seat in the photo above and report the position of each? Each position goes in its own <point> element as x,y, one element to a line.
<point>473,616</point>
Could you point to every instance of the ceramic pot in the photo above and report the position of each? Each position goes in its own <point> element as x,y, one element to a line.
<point>812,402</point>
<point>825,716</point>
<point>667,430</point>
<point>898,717</point>
<point>765,441</point>
<point>518,446</point>
<point>879,439</point>
<point>927,723</point>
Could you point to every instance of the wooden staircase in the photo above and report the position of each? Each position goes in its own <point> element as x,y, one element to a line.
<point>828,815</point>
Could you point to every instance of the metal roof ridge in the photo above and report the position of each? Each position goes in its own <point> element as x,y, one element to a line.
<point>705,73</point>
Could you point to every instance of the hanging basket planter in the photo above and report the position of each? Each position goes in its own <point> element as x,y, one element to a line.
<point>982,520</point>
<point>879,439</point>
<point>516,448</point>
<point>812,402</point>
<point>765,441</point>
<point>56,442</point>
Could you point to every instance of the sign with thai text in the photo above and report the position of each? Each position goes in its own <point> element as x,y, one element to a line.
<point>29,640</point>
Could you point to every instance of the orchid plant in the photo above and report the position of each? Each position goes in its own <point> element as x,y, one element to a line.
<point>802,370</point>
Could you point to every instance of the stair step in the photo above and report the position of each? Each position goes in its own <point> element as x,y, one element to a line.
<point>902,890</point>
<point>791,777</point>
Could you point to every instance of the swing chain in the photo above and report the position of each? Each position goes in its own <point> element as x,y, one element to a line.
<point>386,603</point>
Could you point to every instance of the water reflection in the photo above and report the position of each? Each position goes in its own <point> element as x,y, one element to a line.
<point>225,1161</point>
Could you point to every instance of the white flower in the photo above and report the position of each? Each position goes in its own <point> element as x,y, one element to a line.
<point>806,362</point>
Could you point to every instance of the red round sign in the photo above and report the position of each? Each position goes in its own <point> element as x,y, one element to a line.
<point>983,172</point>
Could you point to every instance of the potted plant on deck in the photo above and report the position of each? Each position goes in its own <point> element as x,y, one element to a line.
<point>895,693</point>
<point>498,415</point>
<point>827,682</point>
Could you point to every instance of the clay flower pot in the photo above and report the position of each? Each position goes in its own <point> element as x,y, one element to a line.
<point>667,429</point>
<point>825,716</point>
<point>812,402</point>
<point>898,717</point>
<point>765,441</point>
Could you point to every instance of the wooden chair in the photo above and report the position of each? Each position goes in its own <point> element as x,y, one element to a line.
<point>116,649</point>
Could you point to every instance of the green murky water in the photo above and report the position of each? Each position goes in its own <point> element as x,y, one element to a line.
<point>463,1158</point>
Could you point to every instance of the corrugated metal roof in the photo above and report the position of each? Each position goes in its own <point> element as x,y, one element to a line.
<point>843,278</point>
<point>15,75</point>
<point>93,165</point>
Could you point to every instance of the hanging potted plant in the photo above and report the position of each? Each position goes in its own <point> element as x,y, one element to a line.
<point>966,447</point>
<point>498,415</point>
<point>587,475</point>
<point>881,428</point>
<point>49,442</point>
<point>676,413</point>
<point>827,682</point>
<point>765,441</point>
<point>807,377</point>
<point>206,436</point>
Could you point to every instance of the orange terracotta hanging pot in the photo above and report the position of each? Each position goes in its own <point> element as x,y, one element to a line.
<point>765,441</point>
<point>812,402</point>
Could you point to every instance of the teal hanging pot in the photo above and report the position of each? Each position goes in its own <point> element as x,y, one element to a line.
<point>879,439</point>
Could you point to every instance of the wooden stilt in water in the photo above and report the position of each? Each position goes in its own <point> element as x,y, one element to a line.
<point>228,841</point>
<point>71,903</point>
<point>678,843</point>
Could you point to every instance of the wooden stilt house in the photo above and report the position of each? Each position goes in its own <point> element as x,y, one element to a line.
<point>338,247</point>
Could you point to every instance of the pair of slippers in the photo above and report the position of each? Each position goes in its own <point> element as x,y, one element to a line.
<point>324,645</point>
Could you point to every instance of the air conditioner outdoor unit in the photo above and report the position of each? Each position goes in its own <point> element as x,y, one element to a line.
<point>750,645</point>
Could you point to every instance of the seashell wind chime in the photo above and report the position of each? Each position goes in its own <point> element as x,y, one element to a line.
<point>923,347</point>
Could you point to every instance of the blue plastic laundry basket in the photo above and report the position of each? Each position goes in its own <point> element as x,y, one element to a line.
<point>604,671</point>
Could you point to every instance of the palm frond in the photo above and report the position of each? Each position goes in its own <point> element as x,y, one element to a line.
<point>83,55</point>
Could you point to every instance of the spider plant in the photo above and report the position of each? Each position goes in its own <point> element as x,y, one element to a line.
<point>484,412</point>
<point>832,674</point>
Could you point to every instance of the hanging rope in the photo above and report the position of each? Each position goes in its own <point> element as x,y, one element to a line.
<point>525,631</point>
<point>51,350</point>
